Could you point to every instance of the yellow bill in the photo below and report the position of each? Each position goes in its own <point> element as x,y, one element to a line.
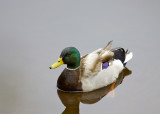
<point>57,64</point>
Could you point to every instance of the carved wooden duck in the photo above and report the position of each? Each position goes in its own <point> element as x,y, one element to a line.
<point>92,71</point>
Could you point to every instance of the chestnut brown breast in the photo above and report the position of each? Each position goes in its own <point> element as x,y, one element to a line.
<point>69,80</point>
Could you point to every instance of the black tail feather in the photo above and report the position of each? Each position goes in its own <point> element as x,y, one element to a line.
<point>120,55</point>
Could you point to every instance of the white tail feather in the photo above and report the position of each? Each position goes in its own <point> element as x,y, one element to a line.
<point>129,56</point>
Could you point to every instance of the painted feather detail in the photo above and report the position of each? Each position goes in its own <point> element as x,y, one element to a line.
<point>105,65</point>
<point>91,64</point>
<point>95,62</point>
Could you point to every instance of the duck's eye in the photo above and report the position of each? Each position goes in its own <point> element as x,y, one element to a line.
<point>58,61</point>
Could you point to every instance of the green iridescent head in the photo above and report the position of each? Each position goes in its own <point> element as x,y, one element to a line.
<point>69,56</point>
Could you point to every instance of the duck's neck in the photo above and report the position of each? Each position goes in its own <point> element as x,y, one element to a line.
<point>73,66</point>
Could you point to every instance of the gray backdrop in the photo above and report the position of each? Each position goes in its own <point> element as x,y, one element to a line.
<point>33,33</point>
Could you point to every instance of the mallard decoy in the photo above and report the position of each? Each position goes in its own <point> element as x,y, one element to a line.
<point>91,71</point>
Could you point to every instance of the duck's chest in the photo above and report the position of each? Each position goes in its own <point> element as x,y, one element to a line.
<point>69,80</point>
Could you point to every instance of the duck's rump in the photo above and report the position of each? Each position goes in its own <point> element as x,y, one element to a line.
<point>119,54</point>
